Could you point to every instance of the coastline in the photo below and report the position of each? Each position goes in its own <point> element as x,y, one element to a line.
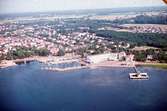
<point>66,59</point>
<point>7,63</point>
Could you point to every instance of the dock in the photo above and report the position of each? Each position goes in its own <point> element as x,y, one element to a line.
<point>49,65</point>
<point>23,61</point>
<point>138,75</point>
<point>64,69</point>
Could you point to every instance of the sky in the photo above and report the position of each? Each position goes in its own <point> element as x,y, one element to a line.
<point>15,6</point>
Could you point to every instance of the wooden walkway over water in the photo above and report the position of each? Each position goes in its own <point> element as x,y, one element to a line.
<point>138,75</point>
<point>64,69</point>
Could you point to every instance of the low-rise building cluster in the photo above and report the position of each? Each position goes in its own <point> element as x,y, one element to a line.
<point>45,35</point>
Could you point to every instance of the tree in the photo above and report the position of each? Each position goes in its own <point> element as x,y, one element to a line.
<point>1,58</point>
<point>42,52</point>
<point>61,52</point>
<point>162,57</point>
<point>140,56</point>
<point>81,52</point>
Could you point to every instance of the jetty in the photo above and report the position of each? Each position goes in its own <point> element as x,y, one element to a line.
<point>64,64</point>
<point>24,61</point>
<point>64,69</point>
<point>138,75</point>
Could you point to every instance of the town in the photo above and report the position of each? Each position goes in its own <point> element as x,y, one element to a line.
<point>15,36</point>
<point>84,36</point>
<point>83,55</point>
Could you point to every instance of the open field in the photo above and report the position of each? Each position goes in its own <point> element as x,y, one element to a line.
<point>143,48</point>
<point>154,28</point>
<point>163,66</point>
<point>112,17</point>
<point>139,28</point>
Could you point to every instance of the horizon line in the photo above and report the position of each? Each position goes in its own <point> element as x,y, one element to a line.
<point>67,10</point>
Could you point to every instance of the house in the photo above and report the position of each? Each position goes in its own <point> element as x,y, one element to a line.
<point>149,57</point>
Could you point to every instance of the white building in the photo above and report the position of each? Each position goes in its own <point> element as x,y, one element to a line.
<point>122,55</point>
<point>102,57</point>
<point>149,57</point>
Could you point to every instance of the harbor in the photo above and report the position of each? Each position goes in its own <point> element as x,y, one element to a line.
<point>70,63</point>
<point>66,65</point>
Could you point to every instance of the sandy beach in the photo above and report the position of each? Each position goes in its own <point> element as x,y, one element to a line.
<point>111,64</point>
<point>7,63</point>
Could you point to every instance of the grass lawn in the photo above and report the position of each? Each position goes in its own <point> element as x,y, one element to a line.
<point>157,65</point>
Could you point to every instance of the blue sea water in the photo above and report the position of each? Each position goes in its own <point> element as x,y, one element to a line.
<point>28,88</point>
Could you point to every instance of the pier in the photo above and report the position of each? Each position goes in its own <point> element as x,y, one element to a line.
<point>64,69</point>
<point>23,61</point>
<point>138,75</point>
<point>63,65</point>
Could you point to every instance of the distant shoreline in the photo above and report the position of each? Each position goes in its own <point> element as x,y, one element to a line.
<point>115,9</point>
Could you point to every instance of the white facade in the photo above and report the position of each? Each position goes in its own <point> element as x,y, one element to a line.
<point>102,57</point>
<point>122,55</point>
